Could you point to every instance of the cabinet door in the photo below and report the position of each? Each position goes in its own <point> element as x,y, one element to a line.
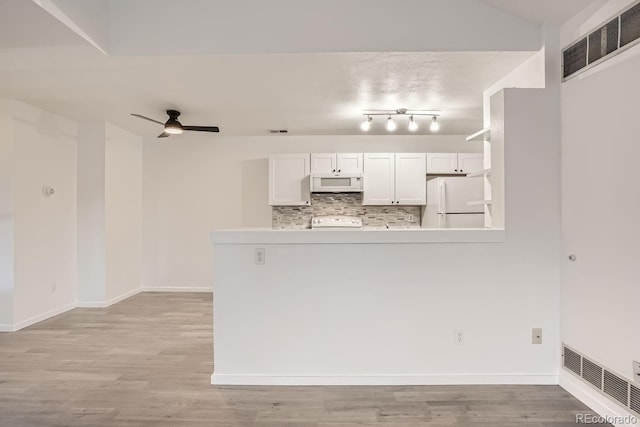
<point>349,162</point>
<point>379,179</point>
<point>470,162</point>
<point>289,180</point>
<point>411,180</point>
<point>442,163</point>
<point>323,163</point>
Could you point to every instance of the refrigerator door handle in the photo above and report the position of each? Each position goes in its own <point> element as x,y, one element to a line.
<point>443,197</point>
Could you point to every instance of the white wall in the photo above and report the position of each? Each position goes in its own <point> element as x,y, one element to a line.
<point>44,228</point>
<point>91,213</point>
<point>6,216</point>
<point>387,312</point>
<point>109,214</point>
<point>123,212</point>
<point>600,204</point>
<point>529,74</point>
<point>194,184</point>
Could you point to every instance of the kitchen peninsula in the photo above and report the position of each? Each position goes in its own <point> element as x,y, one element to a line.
<point>378,306</point>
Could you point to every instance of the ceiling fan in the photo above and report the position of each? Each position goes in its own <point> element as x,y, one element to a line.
<point>174,127</point>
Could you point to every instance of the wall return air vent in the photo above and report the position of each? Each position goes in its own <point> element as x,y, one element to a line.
<point>608,39</point>
<point>613,386</point>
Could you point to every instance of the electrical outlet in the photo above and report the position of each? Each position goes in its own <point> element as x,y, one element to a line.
<point>458,337</point>
<point>536,336</point>
<point>260,256</point>
<point>54,286</point>
<point>636,371</point>
<point>411,218</point>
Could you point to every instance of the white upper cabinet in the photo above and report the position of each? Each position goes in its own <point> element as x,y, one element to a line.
<point>336,163</point>
<point>442,163</point>
<point>411,182</point>
<point>454,163</point>
<point>470,162</point>
<point>379,179</point>
<point>323,163</point>
<point>289,180</point>
<point>394,179</point>
<point>350,162</point>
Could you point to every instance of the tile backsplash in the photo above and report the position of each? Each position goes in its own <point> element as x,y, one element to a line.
<point>345,204</point>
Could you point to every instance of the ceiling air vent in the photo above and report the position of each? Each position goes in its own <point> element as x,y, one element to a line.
<point>572,360</point>
<point>277,131</point>
<point>612,37</point>
<point>611,385</point>
<point>592,373</point>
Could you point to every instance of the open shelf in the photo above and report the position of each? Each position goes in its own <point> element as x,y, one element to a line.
<point>484,172</point>
<point>479,203</point>
<point>481,135</point>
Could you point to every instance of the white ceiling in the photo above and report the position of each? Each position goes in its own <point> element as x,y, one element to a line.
<point>44,63</point>
<point>541,11</point>
<point>23,24</point>
<point>248,94</point>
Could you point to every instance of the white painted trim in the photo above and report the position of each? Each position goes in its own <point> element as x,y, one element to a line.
<point>401,379</point>
<point>592,398</point>
<point>6,328</point>
<point>177,289</point>
<point>103,304</point>
<point>43,316</point>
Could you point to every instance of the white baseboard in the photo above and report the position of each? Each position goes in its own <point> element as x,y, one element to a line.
<point>593,399</point>
<point>103,304</point>
<point>177,289</point>
<point>235,379</point>
<point>44,316</point>
<point>6,328</point>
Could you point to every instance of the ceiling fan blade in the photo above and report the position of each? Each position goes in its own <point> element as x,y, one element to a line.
<point>202,128</point>
<point>164,135</point>
<point>146,118</point>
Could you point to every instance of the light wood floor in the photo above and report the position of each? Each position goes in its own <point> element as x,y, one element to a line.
<point>147,362</point>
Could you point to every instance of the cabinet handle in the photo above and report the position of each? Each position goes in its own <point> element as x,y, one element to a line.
<point>461,170</point>
<point>333,170</point>
<point>456,170</point>
<point>339,170</point>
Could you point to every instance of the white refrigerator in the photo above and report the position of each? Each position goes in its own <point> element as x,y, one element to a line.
<point>447,203</point>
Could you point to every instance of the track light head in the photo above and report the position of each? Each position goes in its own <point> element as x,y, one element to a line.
<point>366,125</point>
<point>391,125</point>
<point>435,126</point>
<point>413,126</point>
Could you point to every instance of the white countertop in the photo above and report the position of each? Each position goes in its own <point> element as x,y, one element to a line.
<point>264,235</point>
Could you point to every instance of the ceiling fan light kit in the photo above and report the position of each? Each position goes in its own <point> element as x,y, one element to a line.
<point>174,127</point>
<point>391,125</point>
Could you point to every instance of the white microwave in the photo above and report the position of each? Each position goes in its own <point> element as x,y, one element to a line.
<point>336,183</point>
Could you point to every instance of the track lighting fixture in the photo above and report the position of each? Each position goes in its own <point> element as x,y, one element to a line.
<point>366,124</point>
<point>435,126</point>
<point>391,125</point>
